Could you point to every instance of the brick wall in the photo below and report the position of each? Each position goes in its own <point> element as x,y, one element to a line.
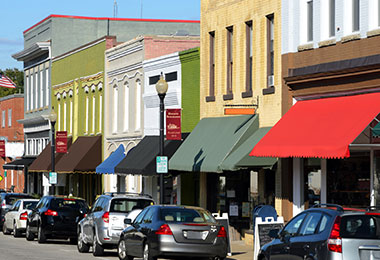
<point>216,16</point>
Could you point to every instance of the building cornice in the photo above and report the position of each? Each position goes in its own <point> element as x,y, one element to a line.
<point>33,51</point>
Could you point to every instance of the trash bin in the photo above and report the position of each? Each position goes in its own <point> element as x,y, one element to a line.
<point>263,211</point>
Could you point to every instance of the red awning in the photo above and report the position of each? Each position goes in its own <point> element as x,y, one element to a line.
<point>320,128</point>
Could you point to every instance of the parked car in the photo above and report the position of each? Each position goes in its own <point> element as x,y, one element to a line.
<point>102,226</point>
<point>328,232</point>
<point>55,217</point>
<point>15,218</point>
<point>173,231</point>
<point>7,201</point>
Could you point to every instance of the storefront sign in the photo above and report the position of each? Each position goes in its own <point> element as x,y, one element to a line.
<point>162,164</point>
<point>2,148</point>
<point>61,142</point>
<point>234,210</point>
<point>173,124</point>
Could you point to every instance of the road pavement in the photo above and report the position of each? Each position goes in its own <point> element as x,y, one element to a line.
<point>19,248</point>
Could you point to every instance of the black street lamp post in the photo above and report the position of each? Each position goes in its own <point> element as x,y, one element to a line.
<point>53,119</point>
<point>162,88</point>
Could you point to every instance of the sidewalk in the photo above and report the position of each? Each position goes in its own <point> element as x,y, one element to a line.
<point>240,251</point>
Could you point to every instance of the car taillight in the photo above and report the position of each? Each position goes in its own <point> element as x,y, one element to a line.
<point>164,230</point>
<point>334,242</point>
<point>50,212</point>
<point>106,217</point>
<point>222,232</point>
<point>24,215</point>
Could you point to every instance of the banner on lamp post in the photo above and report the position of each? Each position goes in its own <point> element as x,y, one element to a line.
<point>2,148</point>
<point>61,142</point>
<point>173,124</point>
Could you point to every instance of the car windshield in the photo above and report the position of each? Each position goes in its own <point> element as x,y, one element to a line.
<point>126,205</point>
<point>30,204</point>
<point>360,226</point>
<point>187,215</point>
<point>59,203</point>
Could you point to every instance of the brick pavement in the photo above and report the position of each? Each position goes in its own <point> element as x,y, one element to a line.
<point>240,251</point>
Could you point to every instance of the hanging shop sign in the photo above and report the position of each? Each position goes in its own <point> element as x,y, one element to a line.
<point>61,142</point>
<point>173,124</point>
<point>2,148</point>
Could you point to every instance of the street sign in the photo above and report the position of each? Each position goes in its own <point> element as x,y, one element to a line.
<point>5,173</point>
<point>52,177</point>
<point>162,164</point>
<point>1,178</point>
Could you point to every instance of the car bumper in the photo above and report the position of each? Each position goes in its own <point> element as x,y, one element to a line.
<point>108,237</point>
<point>59,230</point>
<point>167,246</point>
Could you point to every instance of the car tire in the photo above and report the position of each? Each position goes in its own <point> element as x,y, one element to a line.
<point>122,251</point>
<point>16,232</point>
<point>81,245</point>
<point>97,249</point>
<point>147,254</point>
<point>41,237</point>
<point>29,235</point>
<point>5,229</point>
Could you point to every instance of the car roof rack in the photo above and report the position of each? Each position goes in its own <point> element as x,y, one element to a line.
<point>135,194</point>
<point>327,205</point>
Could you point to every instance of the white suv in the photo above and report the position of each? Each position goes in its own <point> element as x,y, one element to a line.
<point>102,226</point>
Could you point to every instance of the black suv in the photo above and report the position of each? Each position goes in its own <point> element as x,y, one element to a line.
<point>328,232</point>
<point>55,217</point>
<point>7,200</point>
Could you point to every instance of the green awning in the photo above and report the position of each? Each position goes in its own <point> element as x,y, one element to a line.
<point>213,140</point>
<point>376,130</point>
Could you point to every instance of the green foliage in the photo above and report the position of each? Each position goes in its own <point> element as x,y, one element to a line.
<point>18,77</point>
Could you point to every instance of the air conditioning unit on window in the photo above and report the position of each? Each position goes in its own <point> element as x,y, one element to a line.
<point>271,81</point>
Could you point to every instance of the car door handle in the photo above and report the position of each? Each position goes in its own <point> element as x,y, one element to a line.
<point>306,247</point>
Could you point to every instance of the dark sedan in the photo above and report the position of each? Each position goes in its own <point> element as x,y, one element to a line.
<point>173,231</point>
<point>55,217</point>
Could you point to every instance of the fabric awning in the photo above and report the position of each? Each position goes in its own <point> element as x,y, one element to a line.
<point>82,157</point>
<point>320,128</point>
<point>19,164</point>
<point>210,145</point>
<point>108,165</point>
<point>43,160</point>
<point>142,158</point>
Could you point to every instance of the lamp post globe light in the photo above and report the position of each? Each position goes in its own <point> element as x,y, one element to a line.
<point>53,118</point>
<point>162,88</point>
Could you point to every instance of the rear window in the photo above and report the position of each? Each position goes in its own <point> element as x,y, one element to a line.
<point>59,203</point>
<point>360,226</point>
<point>30,204</point>
<point>127,205</point>
<point>186,215</point>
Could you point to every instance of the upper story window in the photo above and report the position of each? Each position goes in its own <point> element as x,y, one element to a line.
<point>138,105</point>
<point>230,40</point>
<point>3,118</point>
<point>9,117</point>
<point>115,106</point>
<point>211,91</point>
<point>331,18</point>
<point>248,55</point>
<point>270,50</point>
<point>310,21</point>
<point>355,15</point>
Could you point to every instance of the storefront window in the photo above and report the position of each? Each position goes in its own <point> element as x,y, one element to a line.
<point>312,177</point>
<point>348,180</point>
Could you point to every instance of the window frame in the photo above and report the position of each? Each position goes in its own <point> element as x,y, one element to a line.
<point>248,59</point>
<point>211,90</point>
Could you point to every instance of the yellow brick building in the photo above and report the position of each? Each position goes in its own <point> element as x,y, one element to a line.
<point>243,38</point>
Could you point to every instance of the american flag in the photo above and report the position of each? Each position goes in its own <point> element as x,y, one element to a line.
<point>6,82</point>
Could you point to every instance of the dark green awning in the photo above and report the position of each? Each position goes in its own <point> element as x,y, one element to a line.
<point>209,146</point>
<point>376,130</point>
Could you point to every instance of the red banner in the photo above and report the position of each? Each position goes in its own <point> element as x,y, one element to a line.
<point>61,142</point>
<point>173,124</point>
<point>2,148</point>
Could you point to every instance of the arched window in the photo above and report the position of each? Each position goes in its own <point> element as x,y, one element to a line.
<point>126,107</point>
<point>138,105</point>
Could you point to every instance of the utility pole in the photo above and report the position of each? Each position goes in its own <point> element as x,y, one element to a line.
<point>114,9</point>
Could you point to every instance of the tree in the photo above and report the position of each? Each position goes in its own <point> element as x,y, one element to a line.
<point>18,77</point>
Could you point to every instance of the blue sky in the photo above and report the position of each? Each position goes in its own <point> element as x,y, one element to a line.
<point>19,15</point>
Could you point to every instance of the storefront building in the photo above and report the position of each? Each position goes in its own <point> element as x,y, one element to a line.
<point>330,131</point>
<point>131,105</point>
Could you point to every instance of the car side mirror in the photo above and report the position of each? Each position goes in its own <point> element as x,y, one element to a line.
<point>273,233</point>
<point>127,221</point>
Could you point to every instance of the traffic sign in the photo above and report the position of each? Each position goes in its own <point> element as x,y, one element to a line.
<point>162,164</point>
<point>52,177</point>
<point>1,178</point>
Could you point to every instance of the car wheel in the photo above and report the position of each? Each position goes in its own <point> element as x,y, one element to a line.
<point>5,229</point>
<point>16,232</point>
<point>41,237</point>
<point>122,251</point>
<point>29,234</point>
<point>97,249</point>
<point>147,254</point>
<point>82,246</point>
